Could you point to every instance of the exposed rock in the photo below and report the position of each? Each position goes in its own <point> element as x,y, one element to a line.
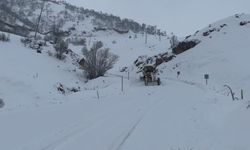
<point>156,60</point>
<point>185,45</point>
<point>243,23</point>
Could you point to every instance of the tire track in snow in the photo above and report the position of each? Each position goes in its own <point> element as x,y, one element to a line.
<point>135,125</point>
<point>54,144</point>
<point>66,137</point>
<point>138,121</point>
<point>202,86</point>
<point>191,83</point>
<point>130,132</point>
<point>62,136</point>
<point>65,134</point>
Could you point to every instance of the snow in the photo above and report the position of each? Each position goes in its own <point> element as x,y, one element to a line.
<point>224,56</point>
<point>28,75</point>
<point>182,113</point>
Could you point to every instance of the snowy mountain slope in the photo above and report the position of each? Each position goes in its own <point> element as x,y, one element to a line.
<point>28,78</point>
<point>223,54</point>
<point>182,113</point>
<point>21,17</point>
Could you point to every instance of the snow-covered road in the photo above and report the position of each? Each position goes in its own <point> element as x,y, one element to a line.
<point>141,118</point>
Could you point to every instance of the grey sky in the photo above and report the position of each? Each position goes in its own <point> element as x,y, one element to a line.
<point>183,17</point>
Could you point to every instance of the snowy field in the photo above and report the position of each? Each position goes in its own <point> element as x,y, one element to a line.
<point>181,114</point>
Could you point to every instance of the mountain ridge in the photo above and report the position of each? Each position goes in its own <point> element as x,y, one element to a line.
<point>24,14</point>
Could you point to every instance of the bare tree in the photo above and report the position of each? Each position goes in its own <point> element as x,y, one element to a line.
<point>60,47</point>
<point>98,60</point>
<point>173,41</point>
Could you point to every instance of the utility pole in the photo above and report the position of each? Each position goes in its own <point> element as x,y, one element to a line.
<point>128,74</point>
<point>97,93</point>
<point>39,18</point>
<point>122,83</point>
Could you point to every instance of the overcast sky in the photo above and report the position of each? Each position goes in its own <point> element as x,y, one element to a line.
<point>183,17</point>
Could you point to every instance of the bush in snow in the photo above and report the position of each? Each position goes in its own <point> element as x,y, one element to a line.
<point>4,37</point>
<point>78,41</point>
<point>34,44</point>
<point>37,45</point>
<point>242,23</point>
<point>65,90</point>
<point>26,41</point>
<point>98,60</point>
<point>61,47</point>
<point>60,88</point>
<point>1,103</point>
<point>237,16</point>
<point>207,33</point>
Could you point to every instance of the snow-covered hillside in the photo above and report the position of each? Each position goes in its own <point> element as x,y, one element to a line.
<point>182,113</point>
<point>223,54</point>
<point>21,17</point>
<point>36,76</point>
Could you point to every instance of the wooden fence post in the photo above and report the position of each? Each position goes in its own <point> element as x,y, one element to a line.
<point>122,83</point>
<point>242,94</point>
<point>98,96</point>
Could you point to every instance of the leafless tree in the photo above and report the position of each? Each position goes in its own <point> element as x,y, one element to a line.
<point>173,41</point>
<point>98,60</point>
<point>60,47</point>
